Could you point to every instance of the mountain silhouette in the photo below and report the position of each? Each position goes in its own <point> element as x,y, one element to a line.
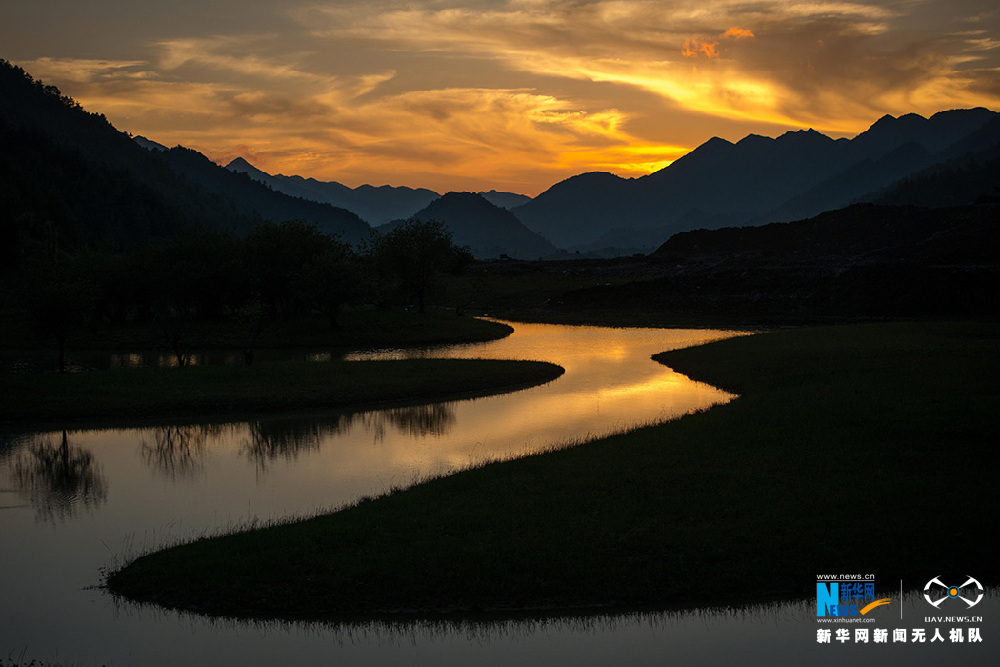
<point>68,173</point>
<point>972,177</point>
<point>507,200</point>
<point>754,181</point>
<point>149,144</point>
<point>376,205</point>
<point>253,197</point>
<point>579,209</point>
<point>486,229</point>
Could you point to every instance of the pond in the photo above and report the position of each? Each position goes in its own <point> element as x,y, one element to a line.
<point>72,503</point>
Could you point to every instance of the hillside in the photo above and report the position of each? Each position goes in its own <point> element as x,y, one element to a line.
<point>251,197</point>
<point>861,262</point>
<point>862,234</point>
<point>68,174</point>
<point>488,230</point>
<point>962,180</point>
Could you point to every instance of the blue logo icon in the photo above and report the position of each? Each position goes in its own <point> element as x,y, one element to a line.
<point>846,598</point>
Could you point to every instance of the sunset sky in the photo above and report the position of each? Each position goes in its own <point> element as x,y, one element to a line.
<point>514,95</point>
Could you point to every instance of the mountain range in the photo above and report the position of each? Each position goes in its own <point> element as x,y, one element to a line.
<point>754,181</point>
<point>376,205</point>
<point>67,174</point>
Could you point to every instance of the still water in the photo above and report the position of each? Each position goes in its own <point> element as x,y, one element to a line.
<point>73,503</point>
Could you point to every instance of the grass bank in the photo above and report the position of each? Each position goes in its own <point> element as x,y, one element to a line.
<point>862,448</point>
<point>356,328</point>
<point>166,394</point>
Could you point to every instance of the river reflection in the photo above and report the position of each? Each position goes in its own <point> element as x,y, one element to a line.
<point>177,451</point>
<point>58,479</point>
<point>782,633</point>
<point>418,421</point>
<point>284,439</point>
<point>144,488</point>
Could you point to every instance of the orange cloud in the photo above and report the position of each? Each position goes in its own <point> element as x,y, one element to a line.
<point>737,33</point>
<point>695,47</point>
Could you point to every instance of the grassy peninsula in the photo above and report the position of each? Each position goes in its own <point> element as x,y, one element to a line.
<point>852,448</point>
<point>358,328</point>
<point>182,393</point>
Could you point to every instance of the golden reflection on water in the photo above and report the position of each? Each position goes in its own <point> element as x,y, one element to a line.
<point>282,464</point>
<point>610,383</point>
<point>144,488</point>
<point>673,383</point>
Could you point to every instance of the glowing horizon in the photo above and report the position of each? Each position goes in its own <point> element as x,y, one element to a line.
<point>510,95</point>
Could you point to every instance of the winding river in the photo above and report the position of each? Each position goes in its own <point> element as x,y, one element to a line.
<point>72,503</point>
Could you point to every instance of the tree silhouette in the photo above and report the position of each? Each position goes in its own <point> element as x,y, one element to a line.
<point>277,255</point>
<point>253,317</point>
<point>329,280</point>
<point>60,298</point>
<point>415,254</point>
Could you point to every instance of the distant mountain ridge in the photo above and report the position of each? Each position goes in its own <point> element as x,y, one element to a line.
<point>489,231</point>
<point>252,197</point>
<point>754,181</point>
<point>377,205</point>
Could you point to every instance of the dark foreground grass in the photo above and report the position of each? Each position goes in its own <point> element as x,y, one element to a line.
<point>356,328</point>
<point>166,394</point>
<point>867,448</point>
